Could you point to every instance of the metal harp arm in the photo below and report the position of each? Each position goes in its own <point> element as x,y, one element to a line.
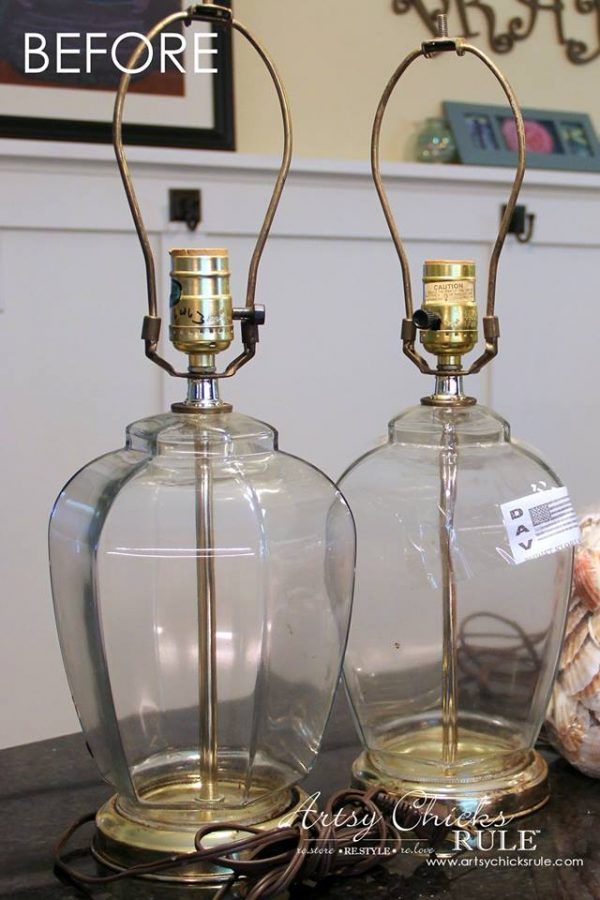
<point>491,328</point>
<point>250,315</point>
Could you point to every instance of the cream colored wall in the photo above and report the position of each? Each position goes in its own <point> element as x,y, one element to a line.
<point>335,62</point>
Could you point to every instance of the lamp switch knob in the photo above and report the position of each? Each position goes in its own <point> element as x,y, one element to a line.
<point>426,321</point>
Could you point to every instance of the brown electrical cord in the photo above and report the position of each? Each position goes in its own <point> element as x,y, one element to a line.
<point>274,860</point>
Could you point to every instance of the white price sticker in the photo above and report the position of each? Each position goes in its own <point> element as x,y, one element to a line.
<point>540,523</point>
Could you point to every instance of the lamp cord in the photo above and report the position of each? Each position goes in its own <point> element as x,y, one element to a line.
<point>315,846</point>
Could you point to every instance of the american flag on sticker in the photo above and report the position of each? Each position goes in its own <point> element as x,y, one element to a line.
<point>553,517</point>
<point>540,523</point>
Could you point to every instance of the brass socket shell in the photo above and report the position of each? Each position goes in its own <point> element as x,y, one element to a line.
<point>449,292</point>
<point>201,303</point>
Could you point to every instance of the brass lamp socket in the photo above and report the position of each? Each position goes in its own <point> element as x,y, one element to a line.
<point>201,303</point>
<point>448,317</point>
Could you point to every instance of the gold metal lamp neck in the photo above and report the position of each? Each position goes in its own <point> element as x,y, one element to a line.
<point>447,321</point>
<point>201,312</point>
<point>201,305</point>
<point>443,278</point>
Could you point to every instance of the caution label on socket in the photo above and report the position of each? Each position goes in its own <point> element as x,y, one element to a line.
<point>449,290</point>
<point>540,523</point>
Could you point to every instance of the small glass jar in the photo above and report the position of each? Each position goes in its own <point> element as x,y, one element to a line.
<point>435,142</point>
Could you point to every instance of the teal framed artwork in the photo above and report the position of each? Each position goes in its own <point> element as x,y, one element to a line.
<point>486,136</point>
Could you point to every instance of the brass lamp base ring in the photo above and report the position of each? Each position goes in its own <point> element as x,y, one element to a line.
<point>121,842</point>
<point>201,409</point>
<point>507,794</point>
<point>448,400</point>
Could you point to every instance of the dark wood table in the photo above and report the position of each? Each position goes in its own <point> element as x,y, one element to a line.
<point>46,785</point>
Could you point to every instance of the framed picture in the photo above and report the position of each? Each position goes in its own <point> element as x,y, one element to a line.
<point>486,136</point>
<point>59,70</point>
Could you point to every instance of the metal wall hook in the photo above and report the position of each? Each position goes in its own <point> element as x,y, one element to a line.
<point>521,224</point>
<point>207,11</point>
<point>491,327</point>
<point>525,236</point>
<point>185,206</point>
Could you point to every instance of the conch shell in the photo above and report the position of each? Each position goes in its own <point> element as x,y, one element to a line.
<point>573,719</point>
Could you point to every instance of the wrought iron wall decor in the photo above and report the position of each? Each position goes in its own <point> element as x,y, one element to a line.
<point>503,34</point>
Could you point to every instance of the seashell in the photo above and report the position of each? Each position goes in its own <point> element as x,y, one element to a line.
<point>590,695</point>
<point>593,624</point>
<point>569,721</point>
<point>588,757</point>
<point>575,636</point>
<point>573,718</point>
<point>586,570</point>
<point>584,667</point>
<point>577,611</point>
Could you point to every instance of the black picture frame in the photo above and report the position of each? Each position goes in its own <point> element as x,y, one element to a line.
<point>220,137</point>
<point>566,155</point>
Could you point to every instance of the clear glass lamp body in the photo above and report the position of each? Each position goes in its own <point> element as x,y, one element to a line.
<point>129,562</point>
<point>440,481</point>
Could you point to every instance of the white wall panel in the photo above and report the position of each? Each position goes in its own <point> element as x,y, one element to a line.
<point>329,372</point>
<point>71,380</point>
<point>546,380</point>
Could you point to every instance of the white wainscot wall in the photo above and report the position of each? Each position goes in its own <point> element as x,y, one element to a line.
<point>329,372</point>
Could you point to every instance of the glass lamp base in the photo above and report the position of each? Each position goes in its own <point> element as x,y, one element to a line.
<point>516,792</point>
<point>128,834</point>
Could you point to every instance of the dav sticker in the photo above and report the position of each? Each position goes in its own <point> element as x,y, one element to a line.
<point>540,523</point>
